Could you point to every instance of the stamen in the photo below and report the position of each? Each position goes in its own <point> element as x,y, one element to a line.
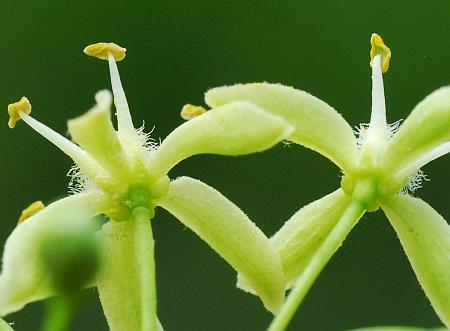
<point>78,155</point>
<point>379,47</point>
<point>380,56</point>
<point>31,210</point>
<point>124,120</point>
<point>190,111</point>
<point>14,110</point>
<point>113,53</point>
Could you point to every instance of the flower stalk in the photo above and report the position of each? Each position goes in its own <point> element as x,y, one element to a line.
<point>318,261</point>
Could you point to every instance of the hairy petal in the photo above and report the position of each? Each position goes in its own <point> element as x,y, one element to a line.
<point>24,278</point>
<point>302,235</point>
<point>228,231</point>
<point>317,125</point>
<point>235,129</point>
<point>425,128</point>
<point>425,237</point>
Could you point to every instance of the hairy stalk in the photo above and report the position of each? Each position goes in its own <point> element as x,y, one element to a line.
<point>346,222</point>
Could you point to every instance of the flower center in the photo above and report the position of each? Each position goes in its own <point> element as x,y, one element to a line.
<point>141,194</point>
<point>369,187</point>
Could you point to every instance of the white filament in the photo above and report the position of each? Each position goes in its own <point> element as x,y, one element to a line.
<point>124,120</point>
<point>78,155</point>
<point>378,115</point>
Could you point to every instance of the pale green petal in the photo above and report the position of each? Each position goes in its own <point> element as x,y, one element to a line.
<point>301,236</point>
<point>23,278</point>
<point>427,127</point>
<point>5,326</point>
<point>425,237</point>
<point>398,328</point>
<point>159,326</point>
<point>95,133</point>
<point>229,231</point>
<point>126,285</point>
<point>317,125</point>
<point>235,129</point>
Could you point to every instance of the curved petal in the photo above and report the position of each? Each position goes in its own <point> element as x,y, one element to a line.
<point>425,237</point>
<point>302,235</point>
<point>23,278</point>
<point>95,133</point>
<point>234,129</point>
<point>228,231</point>
<point>427,127</point>
<point>317,125</point>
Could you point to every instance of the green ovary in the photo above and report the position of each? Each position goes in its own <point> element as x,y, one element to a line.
<point>370,187</point>
<point>141,194</point>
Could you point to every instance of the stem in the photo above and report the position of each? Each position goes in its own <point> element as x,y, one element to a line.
<point>59,315</point>
<point>146,262</point>
<point>346,222</point>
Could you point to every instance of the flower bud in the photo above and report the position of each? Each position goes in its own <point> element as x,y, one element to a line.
<point>72,257</point>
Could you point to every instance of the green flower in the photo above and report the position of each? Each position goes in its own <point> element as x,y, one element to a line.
<point>123,175</point>
<point>377,165</point>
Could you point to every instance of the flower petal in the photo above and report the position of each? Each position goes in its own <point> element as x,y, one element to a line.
<point>234,129</point>
<point>124,286</point>
<point>425,237</point>
<point>425,128</point>
<point>301,236</point>
<point>317,125</point>
<point>95,133</point>
<point>228,231</point>
<point>4,326</point>
<point>23,278</point>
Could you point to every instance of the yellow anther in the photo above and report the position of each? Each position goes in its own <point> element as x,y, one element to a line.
<point>379,47</point>
<point>101,51</point>
<point>190,111</point>
<point>31,210</point>
<point>15,108</point>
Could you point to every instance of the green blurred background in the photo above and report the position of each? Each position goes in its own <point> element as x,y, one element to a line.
<point>176,51</point>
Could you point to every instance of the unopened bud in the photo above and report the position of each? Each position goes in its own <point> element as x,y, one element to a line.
<point>72,257</point>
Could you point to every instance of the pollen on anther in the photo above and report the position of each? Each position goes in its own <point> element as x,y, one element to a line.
<point>31,210</point>
<point>102,50</point>
<point>379,47</point>
<point>190,111</point>
<point>15,108</point>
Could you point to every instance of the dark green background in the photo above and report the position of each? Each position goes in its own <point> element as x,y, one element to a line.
<point>176,51</point>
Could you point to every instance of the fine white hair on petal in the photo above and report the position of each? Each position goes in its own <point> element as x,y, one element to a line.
<point>361,131</point>
<point>79,182</point>
<point>286,143</point>
<point>393,127</point>
<point>146,139</point>
<point>415,182</point>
